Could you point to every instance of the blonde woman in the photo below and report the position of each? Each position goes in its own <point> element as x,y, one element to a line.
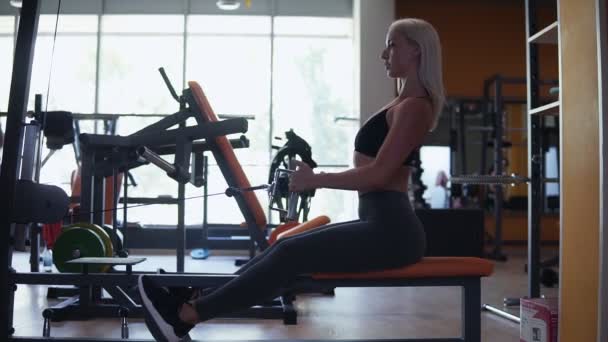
<point>388,231</point>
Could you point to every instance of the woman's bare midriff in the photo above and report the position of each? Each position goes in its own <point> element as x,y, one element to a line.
<point>398,181</point>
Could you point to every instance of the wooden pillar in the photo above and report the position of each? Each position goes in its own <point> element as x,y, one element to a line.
<point>580,172</point>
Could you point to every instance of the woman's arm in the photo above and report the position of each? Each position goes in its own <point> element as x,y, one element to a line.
<point>409,125</point>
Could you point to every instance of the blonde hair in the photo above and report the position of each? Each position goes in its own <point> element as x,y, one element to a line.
<point>430,71</point>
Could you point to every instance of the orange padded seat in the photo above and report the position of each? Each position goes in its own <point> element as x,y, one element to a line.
<point>429,267</point>
<point>227,152</point>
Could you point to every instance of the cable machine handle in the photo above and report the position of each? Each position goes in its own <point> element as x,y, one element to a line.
<point>168,83</point>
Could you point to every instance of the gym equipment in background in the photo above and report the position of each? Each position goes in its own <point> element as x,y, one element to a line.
<point>85,240</point>
<point>295,148</point>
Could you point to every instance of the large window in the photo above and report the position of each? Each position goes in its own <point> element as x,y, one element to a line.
<point>230,58</point>
<point>286,72</point>
<point>7,27</point>
<point>312,78</point>
<point>63,72</point>
<point>132,48</point>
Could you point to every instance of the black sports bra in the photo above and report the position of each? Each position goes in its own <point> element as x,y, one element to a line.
<point>370,137</point>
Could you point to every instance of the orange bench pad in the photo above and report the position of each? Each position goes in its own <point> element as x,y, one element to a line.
<point>292,228</point>
<point>227,152</point>
<point>272,238</point>
<point>306,226</point>
<point>429,267</point>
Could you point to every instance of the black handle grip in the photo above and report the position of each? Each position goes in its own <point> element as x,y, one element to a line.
<point>168,83</point>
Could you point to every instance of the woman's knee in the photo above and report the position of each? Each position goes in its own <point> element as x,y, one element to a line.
<point>287,250</point>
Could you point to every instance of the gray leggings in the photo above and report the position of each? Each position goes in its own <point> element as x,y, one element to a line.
<point>387,235</point>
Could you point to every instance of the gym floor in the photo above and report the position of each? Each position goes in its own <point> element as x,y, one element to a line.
<point>353,313</point>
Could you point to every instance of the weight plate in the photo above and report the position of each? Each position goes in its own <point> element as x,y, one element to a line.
<point>117,245</point>
<point>75,243</point>
<point>103,235</point>
<point>105,238</point>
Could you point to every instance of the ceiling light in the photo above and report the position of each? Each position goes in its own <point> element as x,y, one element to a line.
<point>228,5</point>
<point>16,3</point>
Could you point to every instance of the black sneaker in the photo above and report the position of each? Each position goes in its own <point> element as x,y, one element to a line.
<point>187,294</point>
<point>161,310</point>
<point>184,294</point>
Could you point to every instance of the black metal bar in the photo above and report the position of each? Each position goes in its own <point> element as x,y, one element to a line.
<point>452,142</point>
<point>125,230</point>
<point>486,109</point>
<point>17,106</point>
<point>34,247</point>
<point>166,122</point>
<point>462,140</point>
<point>534,208</point>
<point>471,310</point>
<point>102,140</point>
<point>119,279</point>
<point>86,184</point>
<point>168,83</point>
<point>181,229</point>
<point>115,196</point>
<point>149,200</point>
<point>542,140</point>
<point>498,168</point>
<point>99,195</point>
<point>209,130</point>
<point>218,279</point>
<point>205,200</point>
<point>200,146</point>
<point>534,160</point>
<point>183,154</point>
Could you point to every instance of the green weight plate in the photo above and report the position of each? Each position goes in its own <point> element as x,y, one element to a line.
<point>77,243</point>
<point>103,235</point>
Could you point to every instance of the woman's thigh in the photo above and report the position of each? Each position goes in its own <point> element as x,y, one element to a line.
<point>342,247</point>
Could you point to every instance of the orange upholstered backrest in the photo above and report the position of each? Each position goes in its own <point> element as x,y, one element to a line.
<point>227,152</point>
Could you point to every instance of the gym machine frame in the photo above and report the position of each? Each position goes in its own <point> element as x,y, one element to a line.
<point>92,198</point>
<point>492,105</point>
<point>497,108</point>
<point>103,156</point>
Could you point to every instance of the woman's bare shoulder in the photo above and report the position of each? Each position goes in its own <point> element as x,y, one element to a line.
<point>417,106</point>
